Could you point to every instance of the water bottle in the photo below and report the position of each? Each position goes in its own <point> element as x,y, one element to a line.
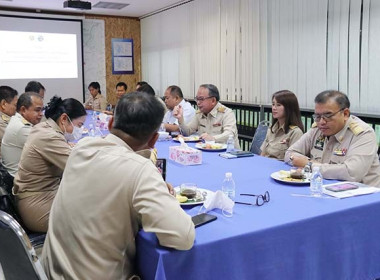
<point>316,182</point>
<point>228,186</point>
<point>230,144</point>
<point>91,130</point>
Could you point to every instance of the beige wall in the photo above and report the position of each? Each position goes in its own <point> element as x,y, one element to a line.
<point>121,27</point>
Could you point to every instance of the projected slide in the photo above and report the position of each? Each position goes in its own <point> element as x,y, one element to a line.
<point>36,55</point>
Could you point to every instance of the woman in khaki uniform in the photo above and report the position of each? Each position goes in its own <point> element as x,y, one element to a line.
<point>286,127</point>
<point>96,101</point>
<point>43,160</point>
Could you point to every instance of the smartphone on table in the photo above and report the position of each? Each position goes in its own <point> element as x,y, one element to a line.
<point>161,166</point>
<point>342,187</point>
<point>202,219</point>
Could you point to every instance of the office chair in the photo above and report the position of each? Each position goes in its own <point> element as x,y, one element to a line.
<point>18,260</point>
<point>259,137</point>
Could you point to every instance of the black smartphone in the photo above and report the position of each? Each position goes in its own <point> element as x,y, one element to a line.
<point>242,153</point>
<point>161,166</point>
<point>202,219</point>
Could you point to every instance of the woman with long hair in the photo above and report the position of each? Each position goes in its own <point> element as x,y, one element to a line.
<point>286,126</point>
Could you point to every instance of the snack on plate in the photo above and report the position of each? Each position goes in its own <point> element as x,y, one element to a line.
<point>212,146</point>
<point>286,176</point>
<point>181,199</point>
<point>296,173</point>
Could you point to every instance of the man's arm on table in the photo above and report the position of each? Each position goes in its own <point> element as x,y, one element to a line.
<point>160,211</point>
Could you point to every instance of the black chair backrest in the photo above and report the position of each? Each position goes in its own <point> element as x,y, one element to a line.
<point>259,137</point>
<point>17,257</point>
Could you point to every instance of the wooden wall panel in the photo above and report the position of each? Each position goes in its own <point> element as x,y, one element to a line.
<point>121,27</point>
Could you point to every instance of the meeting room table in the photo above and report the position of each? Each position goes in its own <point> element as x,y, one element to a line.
<point>289,237</point>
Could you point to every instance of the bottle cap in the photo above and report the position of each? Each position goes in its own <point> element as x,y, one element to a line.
<point>228,174</point>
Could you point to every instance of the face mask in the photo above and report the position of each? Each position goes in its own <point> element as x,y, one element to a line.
<point>218,200</point>
<point>75,135</point>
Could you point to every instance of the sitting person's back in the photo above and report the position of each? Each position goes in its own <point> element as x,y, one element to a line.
<point>108,191</point>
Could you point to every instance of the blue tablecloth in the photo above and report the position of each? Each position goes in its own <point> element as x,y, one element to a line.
<point>287,238</point>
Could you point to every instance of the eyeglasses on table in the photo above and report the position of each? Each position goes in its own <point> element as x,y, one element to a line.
<point>260,199</point>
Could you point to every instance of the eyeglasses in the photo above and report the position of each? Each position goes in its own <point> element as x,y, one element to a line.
<point>260,199</point>
<point>326,117</point>
<point>201,99</point>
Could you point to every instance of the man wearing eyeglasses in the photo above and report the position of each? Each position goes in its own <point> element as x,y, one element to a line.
<point>342,145</point>
<point>213,121</point>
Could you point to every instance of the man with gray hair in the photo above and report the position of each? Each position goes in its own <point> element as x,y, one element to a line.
<point>109,190</point>
<point>342,145</point>
<point>29,112</point>
<point>213,121</point>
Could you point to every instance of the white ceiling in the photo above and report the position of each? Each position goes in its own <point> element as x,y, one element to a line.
<point>136,8</point>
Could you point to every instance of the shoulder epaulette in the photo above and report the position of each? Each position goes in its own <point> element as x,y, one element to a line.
<point>221,109</point>
<point>355,128</point>
<point>293,126</point>
<point>314,125</point>
<point>198,112</point>
<point>24,121</point>
<point>5,118</point>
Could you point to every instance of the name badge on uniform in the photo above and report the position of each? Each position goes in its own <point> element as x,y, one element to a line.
<point>340,152</point>
<point>320,143</point>
<point>216,124</point>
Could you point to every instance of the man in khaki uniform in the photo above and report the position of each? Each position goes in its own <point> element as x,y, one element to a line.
<point>8,101</point>
<point>343,146</point>
<point>213,121</point>
<point>108,192</point>
<point>29,113</point>
<point>96,101</point>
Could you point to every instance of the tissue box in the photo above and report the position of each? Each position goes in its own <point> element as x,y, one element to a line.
<point>185,155</point>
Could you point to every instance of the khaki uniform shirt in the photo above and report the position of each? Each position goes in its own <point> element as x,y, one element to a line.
<point>107,193</point>
<point>277,142</point>
<point>43,159</point>
<point>4,120</point>
<point>99,103</point>
<point>349,155</point>
<point>13,142</point>
<point>219,123</point>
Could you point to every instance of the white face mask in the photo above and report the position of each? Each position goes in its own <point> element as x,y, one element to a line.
<point>218,200</point>
<point>75,135</point>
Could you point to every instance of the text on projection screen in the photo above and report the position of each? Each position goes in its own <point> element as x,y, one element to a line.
<point>25,55</point>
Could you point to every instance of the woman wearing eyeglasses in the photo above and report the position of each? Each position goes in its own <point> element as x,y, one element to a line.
<point>43,160</point>
<point>286,126</point>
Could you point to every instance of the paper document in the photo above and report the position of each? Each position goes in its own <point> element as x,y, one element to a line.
<point>361,190</point>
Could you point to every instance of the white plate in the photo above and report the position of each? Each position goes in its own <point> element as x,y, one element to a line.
<point>191,201</point>
<point>281,178</point>
<point>188,139</point>
<point>202,146</point>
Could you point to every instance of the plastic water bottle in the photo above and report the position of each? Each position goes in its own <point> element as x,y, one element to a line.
<point>228,186</point>
<point>316,182</point>
<point>91,130</point>
<point>230,144</point>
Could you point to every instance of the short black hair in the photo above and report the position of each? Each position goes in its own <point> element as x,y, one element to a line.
<point>141,83</point>
<point>138,114</point>
<point>95,85</point>
<point>34,86</point>
<point>339,97</point>
<point>175,91</point>
<point>56,107</point>
<point>147,89</point>
<point>122,84</point>
<point>212,90</point>
<point>7,93</point>
<point>25,100</point>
